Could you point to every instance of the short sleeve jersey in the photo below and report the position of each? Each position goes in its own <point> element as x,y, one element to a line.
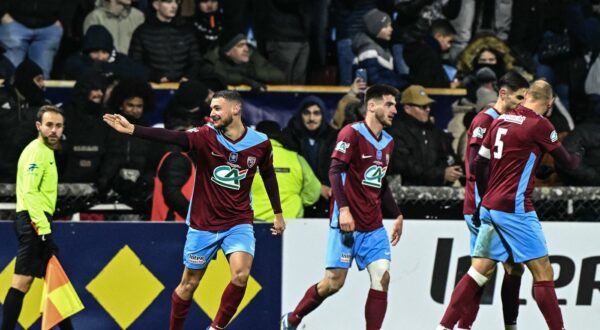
<point>475,134</point>
<point>368,159</point>
<point>225,170</point>
<point>514,144</point>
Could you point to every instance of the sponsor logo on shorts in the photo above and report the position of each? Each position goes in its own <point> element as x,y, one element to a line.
<point>345,257</point>
<point>198,260</point>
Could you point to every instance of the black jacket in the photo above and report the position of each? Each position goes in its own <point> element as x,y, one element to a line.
<point>38,13</point>
<point>348,17</point>
<point>424,58</point>
<point>421,152</point>
<point>288,20</point>
<point>586,140</point>
<point>168,49</point>
<point>174,173</point>
<point>297,138</point>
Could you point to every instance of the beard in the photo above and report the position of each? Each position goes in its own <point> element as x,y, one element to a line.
<point>382,118</point>
<point>52,144</point>
<point>224,122</point>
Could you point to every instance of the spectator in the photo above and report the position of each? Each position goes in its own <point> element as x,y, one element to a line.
<point>190,106</point>
<point>208,24</point>
<point>84,144</point>
<point>20,101</point>
<point>372,52</point>
<point>99,54</point>
<point>174,180</point>
<point>424,57</point>
<point>298,185</point>
<point>423,155</point>
<point>354,96</point>
<point>348,22</point>
<point>130,162</point>
<point>287,40</point>
<point>309,135</point>
<point>166,45</point>
<point>586,140</point>
<point>237,63</point>
<point>119,18</point>
<point>32,29</point>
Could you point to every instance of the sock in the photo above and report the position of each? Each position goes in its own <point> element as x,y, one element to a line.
<point>66,324</point>
<point>12,308</point>
<point>309,302</point>
<point>463,293</point>
<point>545,296</point>
<point>230,300</point>
<point>471,309</point>
<point>510,327</point>
<point>179,311</point>
<point>511,284</point>
<point>375,309</point>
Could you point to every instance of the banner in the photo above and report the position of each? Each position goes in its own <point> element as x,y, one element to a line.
<point>430,258</point>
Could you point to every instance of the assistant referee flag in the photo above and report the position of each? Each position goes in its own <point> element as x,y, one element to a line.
<point>59,300</point>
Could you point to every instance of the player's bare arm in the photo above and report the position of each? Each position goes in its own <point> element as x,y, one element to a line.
<point>397,230</point>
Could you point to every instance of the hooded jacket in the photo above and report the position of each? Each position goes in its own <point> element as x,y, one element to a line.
<point>421,152</point>
<point>377,60</point>
<point>297,138</point>
<point>586,140</point>
<point>84,144</point>
<point>118,66</point>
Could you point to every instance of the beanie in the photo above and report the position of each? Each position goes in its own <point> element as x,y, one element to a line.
<point>225,44</point>
<point>375,20</point>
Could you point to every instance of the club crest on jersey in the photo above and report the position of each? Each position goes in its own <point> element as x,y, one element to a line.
<point>251,161</point>
<point>479,132</point>
<point>228,177</point>
<point>342,146</point>
<point>553,136</point>
<point>233,157</point>
<point>374,176</point>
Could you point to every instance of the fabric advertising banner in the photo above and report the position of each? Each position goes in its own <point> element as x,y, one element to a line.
<point>125,273</point>
<point>430,258</point>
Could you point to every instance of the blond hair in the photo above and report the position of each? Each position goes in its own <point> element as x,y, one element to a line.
<point>540,90</point>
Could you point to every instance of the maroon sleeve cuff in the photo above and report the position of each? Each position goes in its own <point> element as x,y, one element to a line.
<point>163,135</point>
<point>336,169</point>
<point>270,181</point>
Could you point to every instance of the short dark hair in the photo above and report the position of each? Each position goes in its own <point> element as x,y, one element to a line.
<point>443,27</point>
<point>513,81</point>
<point>232,96</point>
<point>49,108</point>
<point>379,90</point>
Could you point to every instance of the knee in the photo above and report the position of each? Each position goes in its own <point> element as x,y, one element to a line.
<point>334,284</point>
<point>240,277</point>
<point>22,283</point>
<point>379,273</point>
<point>189,285</point>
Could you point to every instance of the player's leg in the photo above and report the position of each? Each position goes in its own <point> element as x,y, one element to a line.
<point>471,308</point>
<point>373,252</point>
<point>544,292</point>
<point>511,285</point>
<point>200,247</point>
<point>238,244</point>
<point>337,261</point>
<point>486,253</point>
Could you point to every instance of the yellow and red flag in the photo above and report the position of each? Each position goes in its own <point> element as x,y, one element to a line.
<point>59,299</point>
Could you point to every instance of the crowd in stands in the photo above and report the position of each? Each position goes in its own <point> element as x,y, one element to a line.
<point>114,49</point>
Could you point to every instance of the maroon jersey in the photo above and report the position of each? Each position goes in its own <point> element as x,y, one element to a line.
<point>225,170</point>
<point>368,159</point>
<point>475,135</point>
<point>514,145</point>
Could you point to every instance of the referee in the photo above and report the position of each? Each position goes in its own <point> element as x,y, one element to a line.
<point>37,185</point>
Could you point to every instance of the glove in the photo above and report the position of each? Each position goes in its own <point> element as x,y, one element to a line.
<point>48,245</point>
<point>347,238</point>
<point>476,219</point>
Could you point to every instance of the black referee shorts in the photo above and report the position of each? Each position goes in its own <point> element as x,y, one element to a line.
<point>32,254</point>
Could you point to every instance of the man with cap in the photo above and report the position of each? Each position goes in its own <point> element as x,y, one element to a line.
<point>236,62</point>
<point>372,52</point>
<point>423,155</point>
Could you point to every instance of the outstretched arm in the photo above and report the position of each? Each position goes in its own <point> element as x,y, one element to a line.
<point>122,125</point>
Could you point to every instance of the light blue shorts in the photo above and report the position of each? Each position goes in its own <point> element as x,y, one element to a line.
<point>368,247</point>
<point>202,246</point>
<point>495,242</point>
<point>520,234</point>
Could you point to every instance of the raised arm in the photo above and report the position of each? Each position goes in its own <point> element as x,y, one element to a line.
<point>122,125</point>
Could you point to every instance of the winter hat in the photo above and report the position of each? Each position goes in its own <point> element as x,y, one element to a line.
<point>485,96</point>
<point>97,37</point>
<point>485,75</point>
<point>23,82</point>
<point>375,20</point>
<point>226,43</point>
